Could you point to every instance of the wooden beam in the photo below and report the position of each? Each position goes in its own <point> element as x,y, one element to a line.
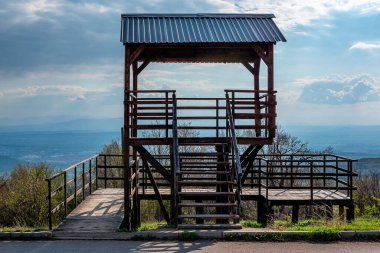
<point>136,53</point>
<point>261,53</point>
<point>249,161</point>
<point>156,164</point>
<point>142,66</point>
<point>156,191</point>
<point>249,67</point>
<point>256,84</point>
<point>127,173</point>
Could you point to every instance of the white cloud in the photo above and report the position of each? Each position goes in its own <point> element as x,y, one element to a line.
<point>338,91</point>
<point>365,45</point>
<point>292,13</point>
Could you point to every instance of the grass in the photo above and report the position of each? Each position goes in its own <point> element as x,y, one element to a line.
<point>251,224</point>
<point>361,223</point>
<point>23,229</point>
<point>151,226</point>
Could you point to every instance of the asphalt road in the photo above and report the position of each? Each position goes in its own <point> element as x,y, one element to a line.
<point>166,246</point>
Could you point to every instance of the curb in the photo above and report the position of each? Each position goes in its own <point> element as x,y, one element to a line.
<point>40,235</point>
<point>177,235</point>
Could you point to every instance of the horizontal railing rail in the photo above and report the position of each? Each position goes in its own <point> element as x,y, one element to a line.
<point>69,187</point>
<point>303,172</point>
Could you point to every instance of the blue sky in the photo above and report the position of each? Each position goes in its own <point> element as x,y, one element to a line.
<point>62,59</point>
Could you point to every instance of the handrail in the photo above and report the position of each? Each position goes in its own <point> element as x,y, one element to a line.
<point>322,174</point>
<point>233,139</point>
<point>76,182</point>
<point>176,161</point>
<point>175,135</point>
<point>235,151</point>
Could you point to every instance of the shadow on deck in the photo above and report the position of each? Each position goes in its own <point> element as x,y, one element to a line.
<point>101,213</point>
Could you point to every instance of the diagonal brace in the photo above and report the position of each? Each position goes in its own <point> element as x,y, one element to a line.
<point>156,191</point>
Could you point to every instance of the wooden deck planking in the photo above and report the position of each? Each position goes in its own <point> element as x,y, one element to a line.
<point>273,194</point>
<point>100,212</point>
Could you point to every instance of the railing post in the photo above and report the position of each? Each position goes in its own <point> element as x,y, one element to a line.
<point>291,172</point>
<point>167,114</point>
<point>65,190</point>
<point>96,173</point>
<point>267,181</point>
<point>49,206</point>
<point>337,173</point>
<point>83,181</point>
<point>217,118</point>
<point>105,171</point>
<point>311,182</point>
<point>324,170</point>
<point>75,186</point>
<point>350,179</point>
<point>90,176</point>
<point>259,177</point>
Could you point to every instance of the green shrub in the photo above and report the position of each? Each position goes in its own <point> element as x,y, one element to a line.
<point>325,234</point>
<point>24,196</point>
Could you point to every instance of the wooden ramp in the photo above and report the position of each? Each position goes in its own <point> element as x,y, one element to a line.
<point>99,215</point>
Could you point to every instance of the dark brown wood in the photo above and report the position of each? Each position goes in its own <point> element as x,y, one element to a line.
<point>156,164</point>
<point>157,192</point>
<point>127,174</point>
<point>295,214</point>
<point>142,67</point>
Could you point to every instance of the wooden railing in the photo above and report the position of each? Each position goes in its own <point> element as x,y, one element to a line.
<point>302,172</point>
<point>71,186</point>
<point>236,164</point>
<point>253,111</point>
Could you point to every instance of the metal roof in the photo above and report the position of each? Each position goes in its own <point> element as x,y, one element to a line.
<point>199,28</point>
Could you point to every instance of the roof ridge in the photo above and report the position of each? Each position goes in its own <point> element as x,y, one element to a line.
<point>200,15</point>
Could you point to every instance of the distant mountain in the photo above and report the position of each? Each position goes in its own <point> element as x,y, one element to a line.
<point>93,124</point>
<point>368,164</point>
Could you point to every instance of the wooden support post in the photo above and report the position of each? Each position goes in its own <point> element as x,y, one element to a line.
<point>221,188</point>
<point>295,213</point>
<point>272,98</point>
<point>256,83</point>
<point>350,213</point>
<point>173,202</point>
<point>263,211</point>
<point>127,174</point>
<point>135,212</point>
<point>341,212</point>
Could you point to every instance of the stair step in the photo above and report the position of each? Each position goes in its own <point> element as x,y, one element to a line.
<point>203,172</point>
<point>206,204</point>
<point>201,162</point>
<point>208,216</point>
<point>210,226</point>
<point>201,183</point>
<point>206,194</point>
<point>202,153</point>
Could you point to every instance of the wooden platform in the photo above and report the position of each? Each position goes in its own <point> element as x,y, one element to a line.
<point>274,195</point>
<point>100,213</point>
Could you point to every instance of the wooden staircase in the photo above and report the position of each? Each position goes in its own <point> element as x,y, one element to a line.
<point>207,190</point>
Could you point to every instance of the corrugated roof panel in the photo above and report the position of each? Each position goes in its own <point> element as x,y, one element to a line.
<point>199,28</point>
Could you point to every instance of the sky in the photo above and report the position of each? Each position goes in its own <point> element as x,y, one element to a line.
<point>62,59</point>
